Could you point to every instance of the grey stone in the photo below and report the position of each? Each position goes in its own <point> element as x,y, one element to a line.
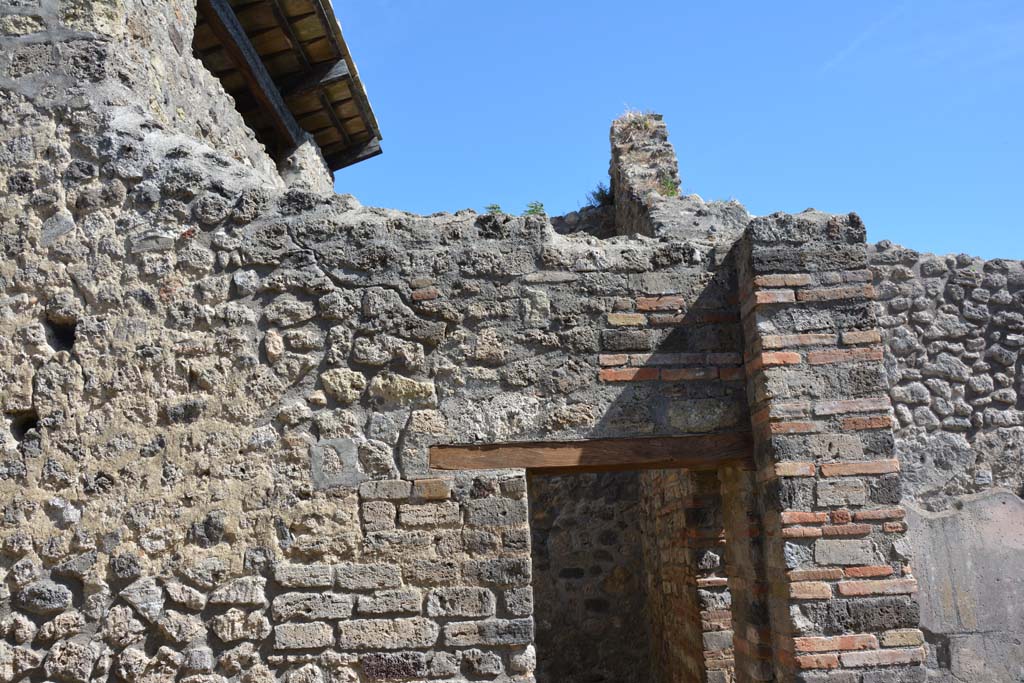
<point>43,597</point>
<point>846,552</point>
<point>392,666</point>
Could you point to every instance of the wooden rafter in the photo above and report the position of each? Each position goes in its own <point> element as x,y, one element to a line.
<point>229,31</point>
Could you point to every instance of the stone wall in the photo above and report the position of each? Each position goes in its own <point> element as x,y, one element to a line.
<point>221,386</point>
<point>954,328</point>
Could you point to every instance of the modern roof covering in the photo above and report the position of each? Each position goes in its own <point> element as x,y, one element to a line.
<point>286,64</point>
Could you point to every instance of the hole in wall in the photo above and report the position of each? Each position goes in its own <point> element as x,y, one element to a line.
<point>61,336</point>
<point>23,423</point>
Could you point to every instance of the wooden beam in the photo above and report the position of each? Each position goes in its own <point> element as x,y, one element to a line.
<point>322,76</point>
<point>229,31</point>
<point>353,155</point>
<point>694,452</point>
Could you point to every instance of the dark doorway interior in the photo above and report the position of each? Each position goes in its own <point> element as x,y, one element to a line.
<point>589,579</point>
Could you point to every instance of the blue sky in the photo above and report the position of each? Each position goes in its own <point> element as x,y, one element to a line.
<point>909,113</point>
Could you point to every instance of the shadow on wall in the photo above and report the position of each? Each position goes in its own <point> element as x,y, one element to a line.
<point>678,360</point>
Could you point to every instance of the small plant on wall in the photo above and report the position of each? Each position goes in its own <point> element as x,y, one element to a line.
<point>668,187</point>
<point>535,208</point>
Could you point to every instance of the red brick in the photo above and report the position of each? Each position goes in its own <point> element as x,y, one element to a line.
<point>689,374</point>
<point>629,374</point>
<point>857,424</point>
<point>880,587</point>
<point>773,358</point>
<point>834,293</point>
<point>660,303</point>
<point>793,427</point>
<point>848,469</point>
<point>841,516</point>
<point>851,642</point>
<point>869,571</point>
<point>794,469</point>
<point>801,532</point>
<point>627,319</point>
<point>853,405</point>
<point>426,294</point>
<point>894,527</point>
<point>844,355</point>
<point>774,296</point>
<point>815,574</point>
<point>879,515</point>
<point>851,337</point>
<point>843,530</point>
<point>913,655</point>
<point>709,316</point>
<point>810,590</point>
<point>818,661</point>
<point>799,517</point>
<point>783,280</point>
<point>610,359</point>
<point>783,341</point>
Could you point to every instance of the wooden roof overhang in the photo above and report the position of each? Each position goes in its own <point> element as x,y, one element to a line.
<point>287,65</point>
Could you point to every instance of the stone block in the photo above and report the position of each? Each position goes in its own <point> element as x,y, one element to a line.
<point>503,572</point>
<point>304,575</point>
<point>311,607</point>
<point>300,636</point>
<point>365,577</point>
<point>387,634</point>
<point>460,602</point>
<point>846,552</point>
<point>393,489</point>
<point>247,591</point>
<point>430,515</point>
<point>394,666</point>
<point>492,633</point>
<point>841,492</point>
<point>493,511</point>
<point>406,601</point>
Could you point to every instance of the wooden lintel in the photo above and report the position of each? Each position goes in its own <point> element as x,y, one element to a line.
<point>693,452</point>
<point>225,25</point>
